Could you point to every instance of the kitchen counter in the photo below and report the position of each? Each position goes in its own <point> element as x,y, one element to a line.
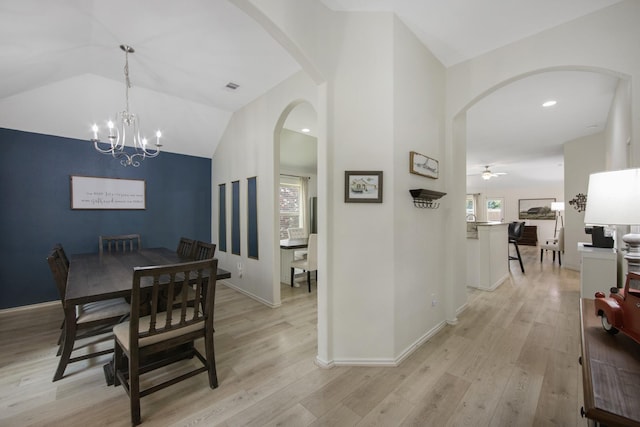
<point>487,254</point>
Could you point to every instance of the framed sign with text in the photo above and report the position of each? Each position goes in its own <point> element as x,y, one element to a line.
<point>90,192</point>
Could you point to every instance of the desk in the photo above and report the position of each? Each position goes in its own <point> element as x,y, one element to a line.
<point>96,278</point>
<point>610,372</point>
<point>287,249</point>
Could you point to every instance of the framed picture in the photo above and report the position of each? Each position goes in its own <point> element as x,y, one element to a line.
<point>420,164</point>
<point>363,186</point>
<point>92,192</point>
<point>536,209</point>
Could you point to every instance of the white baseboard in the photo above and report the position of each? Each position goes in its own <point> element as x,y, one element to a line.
<point>28,307</point>
<point>249,294</point>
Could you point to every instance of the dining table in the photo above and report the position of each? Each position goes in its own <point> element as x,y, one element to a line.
<point>287,251</point>
<point>95,277</point>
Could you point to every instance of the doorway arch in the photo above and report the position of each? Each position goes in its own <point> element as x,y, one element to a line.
<point>459,126</point>
<point>296,130</point>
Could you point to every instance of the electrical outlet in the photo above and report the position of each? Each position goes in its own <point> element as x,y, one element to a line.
<point>239,269</point>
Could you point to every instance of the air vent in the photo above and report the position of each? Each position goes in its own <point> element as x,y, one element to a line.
<point>232,86</point>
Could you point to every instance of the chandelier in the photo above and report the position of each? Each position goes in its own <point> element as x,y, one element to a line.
<point>126,125</point>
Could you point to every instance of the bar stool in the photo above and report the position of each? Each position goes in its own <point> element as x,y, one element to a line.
<point>516,229</point>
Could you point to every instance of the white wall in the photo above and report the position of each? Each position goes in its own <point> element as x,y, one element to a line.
<point>369,280</point>
<point>618,138</point>
<point>247,149</point>
<point>583,156</point>
<point>361,138</point>
<point>618,129</point>
<point>418,80</point>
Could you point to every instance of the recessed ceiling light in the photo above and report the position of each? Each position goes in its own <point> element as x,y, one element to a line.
<point>306,130</point>
<point>550,103</point>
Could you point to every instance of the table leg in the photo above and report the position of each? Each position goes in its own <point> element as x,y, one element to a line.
<point>286,257</point>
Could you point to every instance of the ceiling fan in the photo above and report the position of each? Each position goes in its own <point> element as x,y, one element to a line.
<point>487,174</point>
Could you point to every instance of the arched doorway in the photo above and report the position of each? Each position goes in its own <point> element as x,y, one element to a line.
<point>296,151</point>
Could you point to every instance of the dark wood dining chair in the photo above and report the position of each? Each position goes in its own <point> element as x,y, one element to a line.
<point>186,248</point>
<point>140,338</point>
<point>204,250</point>
<point>81,321</point>
<point>120,243</point>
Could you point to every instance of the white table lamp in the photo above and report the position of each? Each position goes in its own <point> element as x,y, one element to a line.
<point>613,198</point>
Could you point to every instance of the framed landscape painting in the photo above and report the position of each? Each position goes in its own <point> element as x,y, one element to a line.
<point>536,209</point>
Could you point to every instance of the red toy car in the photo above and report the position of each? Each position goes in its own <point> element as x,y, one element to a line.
<point>620,312</point>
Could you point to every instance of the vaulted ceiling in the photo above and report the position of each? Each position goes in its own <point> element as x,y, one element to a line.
<point>61,69</point>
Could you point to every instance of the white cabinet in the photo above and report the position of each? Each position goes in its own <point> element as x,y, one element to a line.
<point>598,270</point>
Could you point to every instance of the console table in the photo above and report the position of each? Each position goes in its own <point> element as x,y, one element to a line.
<point>610,373</point>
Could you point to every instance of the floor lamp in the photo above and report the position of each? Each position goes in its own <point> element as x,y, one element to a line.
<point>558,207</point>
<point>614,199</point>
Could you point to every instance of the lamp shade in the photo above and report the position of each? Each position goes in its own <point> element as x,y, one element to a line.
<point>613,198</point>
<point>557,206</point>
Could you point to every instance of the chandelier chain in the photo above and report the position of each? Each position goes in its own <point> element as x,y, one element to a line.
<point>127,81</point>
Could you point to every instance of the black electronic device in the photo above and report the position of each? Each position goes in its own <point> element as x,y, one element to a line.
<point>598,238</point>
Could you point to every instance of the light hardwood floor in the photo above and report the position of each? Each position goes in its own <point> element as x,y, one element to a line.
<point>510,361</point>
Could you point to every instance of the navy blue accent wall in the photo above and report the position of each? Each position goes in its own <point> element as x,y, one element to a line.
<point>36,208</point>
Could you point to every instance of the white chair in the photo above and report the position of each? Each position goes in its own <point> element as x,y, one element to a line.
<point>555,245</point>
<point>297,233</point>
<point>308,264</point>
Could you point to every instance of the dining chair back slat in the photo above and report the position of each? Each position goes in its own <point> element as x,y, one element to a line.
<point>186,247</point>
<point>204,250</point>
<point>121,243</point>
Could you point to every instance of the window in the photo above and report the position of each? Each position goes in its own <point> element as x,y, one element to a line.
<point>471,207</point>
<point>495,208</point>
<point>292,204</point>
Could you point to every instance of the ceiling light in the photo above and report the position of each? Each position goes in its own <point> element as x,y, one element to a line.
<point>125,124</point>
<point>550,103</point>
<point>305,130</point>
<point>486,175</point>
